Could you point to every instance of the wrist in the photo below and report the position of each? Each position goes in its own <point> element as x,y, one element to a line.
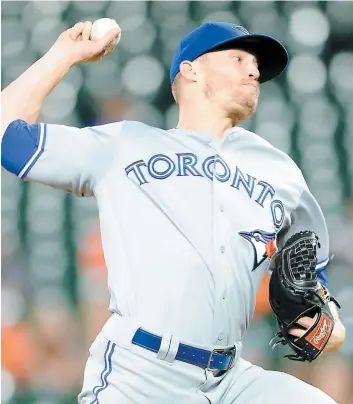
<point>60,62</point>
<point>333,310</point>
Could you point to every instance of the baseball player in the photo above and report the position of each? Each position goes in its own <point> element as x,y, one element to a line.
<point>189,218</point>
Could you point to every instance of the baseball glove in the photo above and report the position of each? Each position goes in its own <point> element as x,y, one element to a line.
<point>295,292</point>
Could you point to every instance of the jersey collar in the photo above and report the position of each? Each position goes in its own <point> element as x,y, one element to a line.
<point>208,137</point>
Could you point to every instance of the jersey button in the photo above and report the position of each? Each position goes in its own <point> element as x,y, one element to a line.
<point>221,208</point>
<point>220,336</point>
<point>222,249</point>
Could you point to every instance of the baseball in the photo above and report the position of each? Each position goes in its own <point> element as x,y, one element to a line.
<point>100,27</point>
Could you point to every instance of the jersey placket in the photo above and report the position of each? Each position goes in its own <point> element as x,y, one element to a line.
<point>220,251</point>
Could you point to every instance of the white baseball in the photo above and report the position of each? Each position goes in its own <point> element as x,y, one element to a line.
<point>100,27</point>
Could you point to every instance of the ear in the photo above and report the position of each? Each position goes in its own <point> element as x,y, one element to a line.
<point>187,70</point>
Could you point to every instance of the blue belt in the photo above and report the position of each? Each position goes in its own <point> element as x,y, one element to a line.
<point>218,359</point>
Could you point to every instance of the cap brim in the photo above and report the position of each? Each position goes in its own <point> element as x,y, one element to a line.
<point>271,54</point>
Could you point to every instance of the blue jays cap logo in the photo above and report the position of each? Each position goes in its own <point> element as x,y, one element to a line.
<point>263,244</point>
<point>241,29</point>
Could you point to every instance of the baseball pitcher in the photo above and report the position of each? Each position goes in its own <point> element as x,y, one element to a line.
<point>191,218</point>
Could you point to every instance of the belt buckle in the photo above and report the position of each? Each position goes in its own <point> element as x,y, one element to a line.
<point>225,351</point>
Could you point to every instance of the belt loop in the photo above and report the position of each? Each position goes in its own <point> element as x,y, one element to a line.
<point>173,349</point>
<point>164,348</point>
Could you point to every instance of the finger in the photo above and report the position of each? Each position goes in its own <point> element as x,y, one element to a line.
<point>86,33</point>
<point>306,322</point>
<point>76,30</point>
<point>98,57</point>
<point>108,38</point>
<point>108,51</point>
<point>296,332</point>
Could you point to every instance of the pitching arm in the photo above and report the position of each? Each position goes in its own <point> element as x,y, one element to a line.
<point>60,156</point>
<point>24,97</point>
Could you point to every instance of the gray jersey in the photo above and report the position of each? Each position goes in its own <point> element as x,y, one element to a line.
<point>188,222</point>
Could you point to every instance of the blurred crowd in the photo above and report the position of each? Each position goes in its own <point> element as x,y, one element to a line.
<point>54,294</point>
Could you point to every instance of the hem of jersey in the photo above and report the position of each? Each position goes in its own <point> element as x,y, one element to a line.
<point>40,149</point>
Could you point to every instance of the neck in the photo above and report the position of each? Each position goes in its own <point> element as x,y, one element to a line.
<point>198,117</point>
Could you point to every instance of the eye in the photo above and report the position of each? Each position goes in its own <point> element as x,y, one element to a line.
<point>238,58</point>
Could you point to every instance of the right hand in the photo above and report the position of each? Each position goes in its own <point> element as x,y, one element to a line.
<point>75,46</point>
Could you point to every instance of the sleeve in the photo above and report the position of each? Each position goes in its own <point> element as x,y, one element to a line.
<point>60,156</point>
<point>308,216</point>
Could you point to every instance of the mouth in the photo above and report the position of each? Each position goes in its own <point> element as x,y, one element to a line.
<point>253,85</point>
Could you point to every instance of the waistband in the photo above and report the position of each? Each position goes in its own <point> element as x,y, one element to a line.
<point>121,331</point>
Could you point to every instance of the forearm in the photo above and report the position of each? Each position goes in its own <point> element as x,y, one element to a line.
<point>24,97</point>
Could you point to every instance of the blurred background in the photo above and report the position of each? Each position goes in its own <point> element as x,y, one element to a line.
<point>54,296</point>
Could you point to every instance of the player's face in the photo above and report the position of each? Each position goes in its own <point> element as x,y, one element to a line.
<point>229,79</point>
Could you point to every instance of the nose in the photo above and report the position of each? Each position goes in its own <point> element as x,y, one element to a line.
<point>254,72</point>
<point>252,68</point>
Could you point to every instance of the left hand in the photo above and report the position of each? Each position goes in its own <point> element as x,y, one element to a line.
<point>336,339</point>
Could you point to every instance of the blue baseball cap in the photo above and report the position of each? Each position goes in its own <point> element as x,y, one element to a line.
<point>272,56</point>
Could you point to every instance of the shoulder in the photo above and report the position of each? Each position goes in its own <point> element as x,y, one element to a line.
<point>257,142</point>
<point>137,126</point>
<point>130,129</point>
<point>117,131</point>
<point>269,154</point>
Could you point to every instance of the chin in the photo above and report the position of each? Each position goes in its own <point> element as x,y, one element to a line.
<point>242,111</point>
<point>242,114</point>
